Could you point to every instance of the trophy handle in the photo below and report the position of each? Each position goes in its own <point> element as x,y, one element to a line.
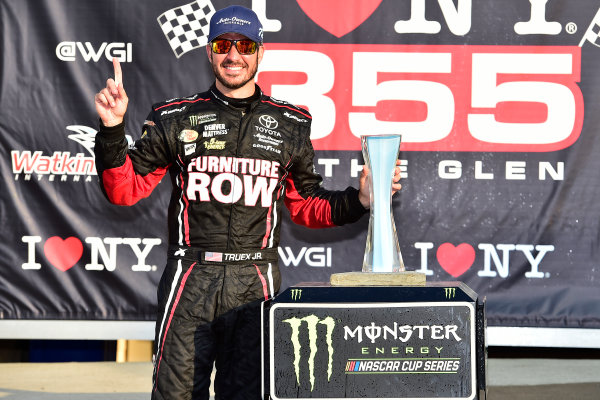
<point>382,253</point>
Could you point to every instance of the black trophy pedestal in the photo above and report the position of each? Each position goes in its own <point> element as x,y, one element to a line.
<point>374,342</point>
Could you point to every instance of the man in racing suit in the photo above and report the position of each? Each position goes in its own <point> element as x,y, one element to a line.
<point>234,156</point>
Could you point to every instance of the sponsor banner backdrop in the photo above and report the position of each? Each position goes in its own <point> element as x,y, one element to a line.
<point>496,102</point>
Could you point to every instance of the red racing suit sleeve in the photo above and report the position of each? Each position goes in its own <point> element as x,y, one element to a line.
<point>130,173</point>
<point>310,204</point>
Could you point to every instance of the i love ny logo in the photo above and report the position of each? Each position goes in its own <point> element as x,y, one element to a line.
<point>455,260</point>
<point>63,254</point>
<point>494,259</point>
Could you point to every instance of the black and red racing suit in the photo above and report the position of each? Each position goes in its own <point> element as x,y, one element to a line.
<point>231,170</point>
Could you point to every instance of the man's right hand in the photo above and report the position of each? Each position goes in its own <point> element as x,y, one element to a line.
<point>111,102</point>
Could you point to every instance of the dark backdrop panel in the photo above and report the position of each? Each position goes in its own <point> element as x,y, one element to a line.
<point>508,206</point>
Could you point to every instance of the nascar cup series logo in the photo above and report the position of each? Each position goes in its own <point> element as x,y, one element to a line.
<point>311,323</point>
<point>325,350</point>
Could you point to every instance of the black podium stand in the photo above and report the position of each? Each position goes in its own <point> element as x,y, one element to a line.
<point>374,342</point>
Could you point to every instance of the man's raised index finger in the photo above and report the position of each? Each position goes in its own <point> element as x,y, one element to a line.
<point>118,73</point>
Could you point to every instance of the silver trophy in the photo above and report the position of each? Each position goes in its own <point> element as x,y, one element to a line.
<point>382,253</point>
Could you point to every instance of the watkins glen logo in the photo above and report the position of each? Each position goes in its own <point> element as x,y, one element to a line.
<point>311,322</point>
<point>67,51</point>
<point>61,165</point>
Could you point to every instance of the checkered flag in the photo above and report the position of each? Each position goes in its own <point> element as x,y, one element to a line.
<point>186,27</point>
<point>592,34</point>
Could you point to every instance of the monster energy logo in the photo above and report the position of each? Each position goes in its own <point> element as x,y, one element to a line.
<point>311,323</point>
<point>296,294</point>
<point>202,118</point>
<point>450,292</point>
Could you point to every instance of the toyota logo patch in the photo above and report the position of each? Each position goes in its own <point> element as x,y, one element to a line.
<point>268,122</point>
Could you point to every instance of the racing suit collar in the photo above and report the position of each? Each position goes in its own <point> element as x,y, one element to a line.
<point>234,103</point>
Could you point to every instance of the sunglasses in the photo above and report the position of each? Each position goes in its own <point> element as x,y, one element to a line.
<point>243,46</point>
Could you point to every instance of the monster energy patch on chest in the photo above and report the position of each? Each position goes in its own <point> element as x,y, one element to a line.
<point>384,350</point>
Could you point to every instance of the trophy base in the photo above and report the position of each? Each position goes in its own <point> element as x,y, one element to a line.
<point>405,278</point>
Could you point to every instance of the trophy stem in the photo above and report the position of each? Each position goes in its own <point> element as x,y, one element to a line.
<point>382,252</point>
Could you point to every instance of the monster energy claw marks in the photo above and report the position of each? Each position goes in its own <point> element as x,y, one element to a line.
<point>382,253</point>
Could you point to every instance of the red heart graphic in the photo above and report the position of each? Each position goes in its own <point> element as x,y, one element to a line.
<point>63,254</point>
<point>456,260</point>
<point>339,17</point>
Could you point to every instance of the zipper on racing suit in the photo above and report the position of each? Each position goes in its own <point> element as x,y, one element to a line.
<point>243,121</point>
